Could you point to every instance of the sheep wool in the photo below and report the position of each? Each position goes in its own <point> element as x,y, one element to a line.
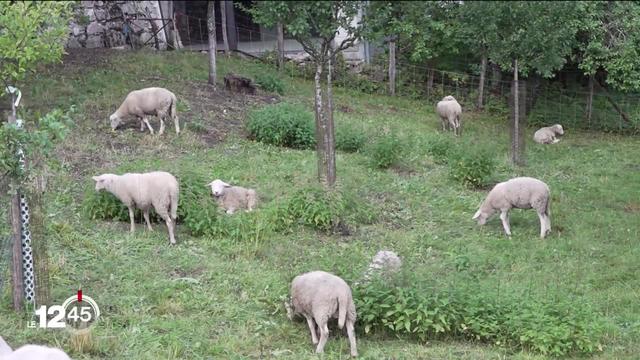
<point>548,135</point>
<point>152,101</point>
<point>158,189</point>
<point>520,193</point>
<point>449,111</point>
<point>31,352</point>
<point>385,263</point>
<point>232,198</point>
<point>320,296</point>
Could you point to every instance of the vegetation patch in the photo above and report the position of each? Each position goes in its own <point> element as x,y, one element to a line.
<point>283,124</point>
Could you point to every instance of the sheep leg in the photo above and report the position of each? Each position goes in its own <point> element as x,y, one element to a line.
<point>171,225</point>
<point>504,216</point>
<point>177,124</point>
<point>161,131</point>
<point>545,225</point>
<point>146,121</point>
<point>312,329</point>
<point>141,125</point>
<point>132,220</point>
<point>324,336</point>
<point>146,219</point>
<point>352,338</point>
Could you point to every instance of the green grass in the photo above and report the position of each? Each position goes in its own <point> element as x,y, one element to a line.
<point>220,298</point>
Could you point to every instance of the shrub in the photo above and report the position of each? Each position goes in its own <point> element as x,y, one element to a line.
<point>385,151</point>
<point>313,207</point>
<point>442,149</point>
<point>472,168</point>
<point>283,124</point>
<point>270,82</point>
<point>349,139</point>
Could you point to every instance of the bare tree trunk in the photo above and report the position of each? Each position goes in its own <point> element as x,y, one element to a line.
<point>280,46</point>
<point>17,276</point>
<point>211,27</point>
<point>330,144</point>
<point>515,135</point>
<point>392,67</point>
<point>320,124</point>
<point>223,14</point>
<point>483,72</point>
<point>590,99</point>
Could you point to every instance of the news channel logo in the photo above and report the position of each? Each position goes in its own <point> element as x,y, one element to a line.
<point>77,312</point>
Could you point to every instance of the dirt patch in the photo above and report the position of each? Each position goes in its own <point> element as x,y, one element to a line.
<point>632,207</point>
<point>345,109</point>
<point>404,170</point>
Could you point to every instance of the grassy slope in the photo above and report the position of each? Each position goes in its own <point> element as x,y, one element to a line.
<point>219,299</point>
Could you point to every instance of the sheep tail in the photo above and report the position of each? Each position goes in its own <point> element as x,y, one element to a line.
<point>343,306</point>
<point>173,196</point>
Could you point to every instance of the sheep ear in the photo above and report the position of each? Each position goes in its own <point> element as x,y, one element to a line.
<point>477,215</point>
<point>96,178</point>
<point>225,184</point>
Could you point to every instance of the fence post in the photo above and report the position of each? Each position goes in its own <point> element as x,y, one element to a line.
<point>392,67</point>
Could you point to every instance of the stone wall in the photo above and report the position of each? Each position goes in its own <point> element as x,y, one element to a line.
<point>101,24</point>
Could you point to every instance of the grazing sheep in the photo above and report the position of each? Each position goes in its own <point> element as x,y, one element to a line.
<point>232,198</point>
<point>150,101</point>
<point>320,296</point>
<point>31,352</point>
<point>158,189</point>
<point>449,111</point>
<point>520,193</point>
<point>385,263</point>
<point>547,135</point>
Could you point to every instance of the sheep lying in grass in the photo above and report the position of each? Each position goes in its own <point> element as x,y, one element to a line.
<point>158,189</point>
<point>232,198</point>
<point>152,101</point>
<point>320,296</point>
<point>31,352</point>
<point>547,135</point>
<point>520,193</point>
<point>449,111</point>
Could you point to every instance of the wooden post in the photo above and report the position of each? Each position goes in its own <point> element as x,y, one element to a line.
<point>280,29</point>
<point>211,27</point>
<point>223,15</point>
<point>590,99</point>
<point>392,67</point>
<point>483,71</point>
<point>515,141</point>
<point>17,277</point>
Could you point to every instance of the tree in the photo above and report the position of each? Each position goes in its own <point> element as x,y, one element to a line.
<point>211,29</point>
<point>223,17</point>
<point>31,33</point>
<point>316,26</point>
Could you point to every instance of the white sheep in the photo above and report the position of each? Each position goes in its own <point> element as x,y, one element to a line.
<point>547,135</point>
<point>152,101</point>
<point>449,111</point>
<point>158,189</point>
<point>519,193</point>
<point>232,198</point>
<point>385,263</point>
<point>320,296</point>
<point>31,352</point>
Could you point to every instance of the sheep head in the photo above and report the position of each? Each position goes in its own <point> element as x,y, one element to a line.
<point>217,187</point>
<point>103,181</point>
<point>558,129</point>
<point>115,121</point>
<point>481,217</point>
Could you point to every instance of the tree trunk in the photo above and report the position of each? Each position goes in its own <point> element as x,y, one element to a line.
<point>320,125</point>
<point>211,27</point>
<point>225,39</point>
<point>515,134</point>
<point>430,75</point>
<point>483,72</point>
<point>613,103</point>
<point>280,29</point>
<point>590,99</point>
<point>330,144</point>
<point>17,276</point>
<point>392,68</point>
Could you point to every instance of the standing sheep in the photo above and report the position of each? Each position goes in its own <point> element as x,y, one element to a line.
<point>520,193</point>
<point>232,198</point>
<point>320,296</point>
<point>152,101</point>
<point>449,111</point>
<point>547,135</point>
<point>158,189</point>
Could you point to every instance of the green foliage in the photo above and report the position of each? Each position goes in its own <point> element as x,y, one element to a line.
<point>282,124</point>
<point>442,149</point>
<point>472,168</point>
<point>270,82</point>
<point>350,138</point>
<point>313,207</point>
<point>385,151</point>
<point>548,327</point>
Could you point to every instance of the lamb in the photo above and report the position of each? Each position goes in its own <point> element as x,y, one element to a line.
<point>520,193</point>
<point>158,189</point>
<point>149,101</point>
<point>547,135</point>
<point>320,296</point>
<point>31,352</point>
<point>232,198</point>
<point>449,111</point>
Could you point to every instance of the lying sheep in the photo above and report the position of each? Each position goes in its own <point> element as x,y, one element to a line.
<point>232,198</point>
<point>449,111</point>
<point>152,101</point>
<point>520,193</point>
<point>31,352</point>
<point>158,189</point>
<point>547,135</point>
<point>320,296</point>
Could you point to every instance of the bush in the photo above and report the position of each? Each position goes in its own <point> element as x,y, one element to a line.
<point>442,149</point>
<point>270,82</point>
<point>313,207</point>
<point>283,124</point>
<point>349,139</point>
<point>385,151</point>
<point>472,168</point>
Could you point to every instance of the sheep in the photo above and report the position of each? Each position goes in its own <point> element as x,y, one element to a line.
<point>547,135</point>
<point>232,198</point>
<point>149,101</point>
<point>31,352</point>
<point>385,263</point>
<point>520,193</point>
<point>320,296</point>
<point>158,189</point>
<point>449,111</point>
